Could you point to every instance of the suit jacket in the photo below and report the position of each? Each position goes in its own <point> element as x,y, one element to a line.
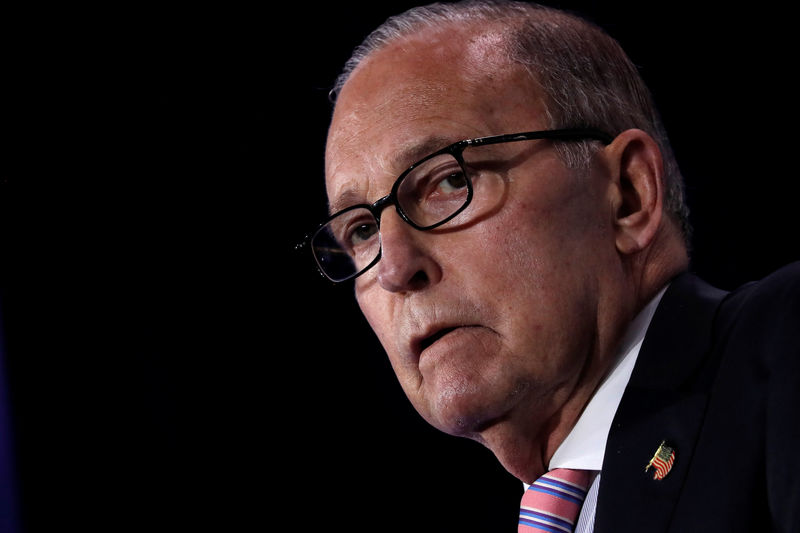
<point>717,379</point>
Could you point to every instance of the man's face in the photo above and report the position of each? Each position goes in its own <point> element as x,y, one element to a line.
<point>487,323</point>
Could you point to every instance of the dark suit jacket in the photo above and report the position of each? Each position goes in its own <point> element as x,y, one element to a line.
<point>718,379</point>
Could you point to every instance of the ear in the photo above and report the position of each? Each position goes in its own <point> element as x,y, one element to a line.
<point>637,189</point>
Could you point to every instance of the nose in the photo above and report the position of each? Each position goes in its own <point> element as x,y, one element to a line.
<point>405,264</point>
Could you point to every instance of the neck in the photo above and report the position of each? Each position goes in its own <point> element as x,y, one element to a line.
<point>525,447</point>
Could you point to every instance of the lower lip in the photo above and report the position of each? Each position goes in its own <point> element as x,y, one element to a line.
<point>446,341</point>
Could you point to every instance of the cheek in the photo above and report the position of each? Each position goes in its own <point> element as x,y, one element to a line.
<point>546,241</point>
<point>373,309</point>
<point>538,283</point>
<point>379,311</point>
<point>507,256</point>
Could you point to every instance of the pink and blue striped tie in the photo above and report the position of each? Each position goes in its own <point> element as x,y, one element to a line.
<point>554,501</point>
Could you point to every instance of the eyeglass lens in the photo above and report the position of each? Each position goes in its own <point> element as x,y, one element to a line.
<point>347,244</point>
<point>428,194</point>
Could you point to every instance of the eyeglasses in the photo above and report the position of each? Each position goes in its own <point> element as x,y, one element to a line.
<point>430,193</point>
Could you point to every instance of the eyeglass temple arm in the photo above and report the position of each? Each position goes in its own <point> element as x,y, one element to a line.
<point>573,134</point>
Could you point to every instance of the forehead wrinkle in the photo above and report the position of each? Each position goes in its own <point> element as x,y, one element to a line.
<point>353,189</point>
<point>365,155</point>
<point>395,164</point>
<point>411,152</point>
<point>354,122</point>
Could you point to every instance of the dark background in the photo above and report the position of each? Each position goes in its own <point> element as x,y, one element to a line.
<point>173,364</point>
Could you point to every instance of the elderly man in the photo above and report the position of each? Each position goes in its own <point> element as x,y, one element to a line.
<point>504,196</point>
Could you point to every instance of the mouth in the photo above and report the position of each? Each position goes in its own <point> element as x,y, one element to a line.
<point>426,342</point>
<point>423,342</point>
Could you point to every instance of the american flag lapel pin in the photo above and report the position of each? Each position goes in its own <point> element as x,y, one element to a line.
<point>662,461</point>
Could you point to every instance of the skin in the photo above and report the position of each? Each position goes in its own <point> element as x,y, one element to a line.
<point>536,289</point>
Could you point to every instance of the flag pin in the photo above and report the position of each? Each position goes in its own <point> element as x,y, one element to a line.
<point>662,461</point>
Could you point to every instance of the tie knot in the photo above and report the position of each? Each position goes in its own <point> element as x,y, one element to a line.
<point>553,502</point>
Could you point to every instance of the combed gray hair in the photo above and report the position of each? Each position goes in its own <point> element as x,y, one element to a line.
<point>587,79</point>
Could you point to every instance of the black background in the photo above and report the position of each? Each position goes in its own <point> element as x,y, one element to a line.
<point>172,363</point>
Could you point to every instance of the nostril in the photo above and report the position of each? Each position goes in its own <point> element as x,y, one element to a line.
<point>400,281</point>
<point>406,262</point>
<point>418,280</point>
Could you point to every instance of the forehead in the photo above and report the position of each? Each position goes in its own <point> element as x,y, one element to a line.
<point>417,95</point>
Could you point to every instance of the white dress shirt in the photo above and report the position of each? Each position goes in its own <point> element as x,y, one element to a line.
<point>584,446</point>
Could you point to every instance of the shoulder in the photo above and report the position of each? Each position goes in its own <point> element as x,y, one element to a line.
<point>759,325</point>
<point>781,288</point>
<point>765,313</point>
<point>754,328</point>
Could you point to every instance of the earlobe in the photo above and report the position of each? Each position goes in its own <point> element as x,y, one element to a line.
<point>638,189</point>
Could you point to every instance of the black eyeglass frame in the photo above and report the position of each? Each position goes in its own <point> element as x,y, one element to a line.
<point>456,150</point>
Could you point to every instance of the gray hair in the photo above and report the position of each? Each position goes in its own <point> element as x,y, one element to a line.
<point>587,79</point>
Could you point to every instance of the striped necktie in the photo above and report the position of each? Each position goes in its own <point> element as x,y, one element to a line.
<point>554,501</point>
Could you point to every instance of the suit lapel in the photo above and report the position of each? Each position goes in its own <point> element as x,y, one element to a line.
<point>665,401</point>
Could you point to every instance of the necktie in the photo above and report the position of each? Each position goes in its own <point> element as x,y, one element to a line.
<point>554,501</point>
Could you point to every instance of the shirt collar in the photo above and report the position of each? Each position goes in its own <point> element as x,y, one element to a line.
<point>584,446</point>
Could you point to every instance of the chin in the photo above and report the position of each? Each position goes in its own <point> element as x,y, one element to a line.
<point>464,415</point>
<point>467,407</point>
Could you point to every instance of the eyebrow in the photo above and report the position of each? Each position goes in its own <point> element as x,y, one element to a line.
<point>403,158</point>
<point>412,153</point>
<point>349,197</point>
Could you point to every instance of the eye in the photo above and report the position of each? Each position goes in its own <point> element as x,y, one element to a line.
<point>352,231</point>
<point>453,182</point>
<point>434,190</point>
<point>361,233</point>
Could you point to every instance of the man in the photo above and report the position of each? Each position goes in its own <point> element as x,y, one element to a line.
<point>506,200</point>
